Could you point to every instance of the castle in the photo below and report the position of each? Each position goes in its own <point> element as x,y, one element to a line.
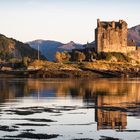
<point>112,37</point>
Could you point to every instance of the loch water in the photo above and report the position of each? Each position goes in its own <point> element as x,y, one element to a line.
<point>70,109</point>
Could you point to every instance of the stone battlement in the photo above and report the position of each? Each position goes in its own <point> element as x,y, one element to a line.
<point>111,36</point>
<point>111,25</point>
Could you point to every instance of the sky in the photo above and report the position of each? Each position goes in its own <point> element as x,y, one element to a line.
<point>62,20</point>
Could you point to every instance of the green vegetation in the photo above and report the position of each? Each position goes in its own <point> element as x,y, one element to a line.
<point>26,61</point>
<point>13,60</point>
<point>114,56</point>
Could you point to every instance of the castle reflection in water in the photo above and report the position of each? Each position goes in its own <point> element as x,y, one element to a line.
<point>112,99</point>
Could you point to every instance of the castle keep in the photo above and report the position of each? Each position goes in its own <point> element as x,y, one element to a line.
<point>112,37</point>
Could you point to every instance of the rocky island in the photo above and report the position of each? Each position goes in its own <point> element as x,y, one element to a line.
<point>112,54</point>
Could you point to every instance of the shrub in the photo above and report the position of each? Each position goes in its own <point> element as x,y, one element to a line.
<point>79,56</point>
<point>13,60</point>
<point>119,56</point>
<point>62,57</point>
<point>26,61</point>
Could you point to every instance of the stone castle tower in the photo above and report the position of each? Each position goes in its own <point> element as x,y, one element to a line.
<point>111,36</point>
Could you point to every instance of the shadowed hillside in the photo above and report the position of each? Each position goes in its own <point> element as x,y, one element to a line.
<point>134,34</point>
<point>11,48</point>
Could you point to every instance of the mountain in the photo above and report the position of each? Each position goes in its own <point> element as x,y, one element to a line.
<point>48,48</point>
<point>134,34</point>
<point>11,48</point>
<point>71,45</point>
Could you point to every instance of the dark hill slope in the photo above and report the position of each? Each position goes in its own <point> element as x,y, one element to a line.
<point>134,34</point>
<point>11,48</point>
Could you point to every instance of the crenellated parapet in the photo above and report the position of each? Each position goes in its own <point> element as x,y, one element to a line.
<point>111,36</point>
<point>112,25</point>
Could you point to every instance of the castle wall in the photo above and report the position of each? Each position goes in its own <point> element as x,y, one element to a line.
<point>135,54</point>
<point>111,36</point>
<point>131,48</point>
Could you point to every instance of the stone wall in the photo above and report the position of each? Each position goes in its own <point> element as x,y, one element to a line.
<point>135,55</point>
<point>111,36</point>
<point>131,48</point>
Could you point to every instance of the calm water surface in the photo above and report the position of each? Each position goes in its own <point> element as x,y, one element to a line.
<point>74,109</point>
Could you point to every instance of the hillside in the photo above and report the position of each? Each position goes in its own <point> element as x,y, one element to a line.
<point>48,47</point>
<point>11,48</point>
<point>134,34</point>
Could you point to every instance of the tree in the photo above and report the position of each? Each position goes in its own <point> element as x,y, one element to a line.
<point>58,57</point>
<point>79,56</point>
<point>62,57</point>
<point>65,56</point>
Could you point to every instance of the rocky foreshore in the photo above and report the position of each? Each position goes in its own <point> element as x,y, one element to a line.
<point>83,73</point>
<point>98,69</point>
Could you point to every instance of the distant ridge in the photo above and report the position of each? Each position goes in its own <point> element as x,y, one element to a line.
<point>49,47</point>
<point>134,34</point>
